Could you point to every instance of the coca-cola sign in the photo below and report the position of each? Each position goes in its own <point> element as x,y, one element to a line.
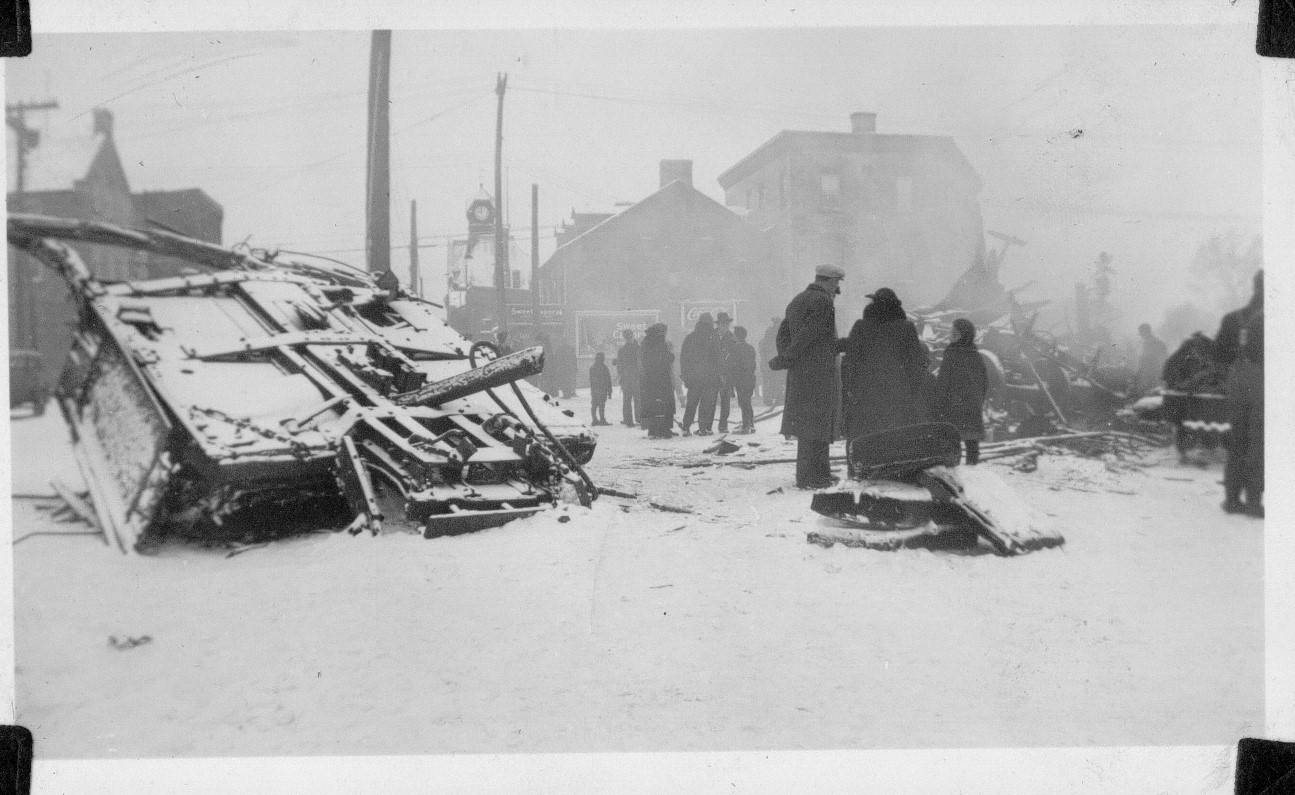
<point>689,311</point>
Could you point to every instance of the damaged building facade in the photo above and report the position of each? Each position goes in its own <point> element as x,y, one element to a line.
<point>893,210</point>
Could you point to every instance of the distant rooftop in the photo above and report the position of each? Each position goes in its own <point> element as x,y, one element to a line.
<point>56,164</point>
<point>863,137</point>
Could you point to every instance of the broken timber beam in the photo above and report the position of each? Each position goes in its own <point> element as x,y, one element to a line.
<point>502,371</point>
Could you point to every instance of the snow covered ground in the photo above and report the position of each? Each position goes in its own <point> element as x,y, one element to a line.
<point>628,628</point>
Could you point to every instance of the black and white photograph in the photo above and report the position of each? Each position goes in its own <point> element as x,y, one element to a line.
<point>413,391</point>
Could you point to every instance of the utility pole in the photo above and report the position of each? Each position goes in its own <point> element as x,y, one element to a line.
<point>535,259</point>
<point>415,282</point>
<point>15,115</point>
<point>378,187</point>
<point>501,241</point>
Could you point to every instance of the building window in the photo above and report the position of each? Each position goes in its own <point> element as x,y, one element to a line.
<point>904,195</point>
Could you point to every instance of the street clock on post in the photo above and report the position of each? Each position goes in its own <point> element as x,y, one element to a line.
<point>481,221</point>
<point>481,211</point>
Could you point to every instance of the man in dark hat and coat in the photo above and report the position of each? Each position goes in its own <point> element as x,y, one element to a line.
<point>807,347</point>
<point>884,369</point>
<point>656,383</point>
<point>699,367</point>
<point>725,346</point>
<point>627,371</point>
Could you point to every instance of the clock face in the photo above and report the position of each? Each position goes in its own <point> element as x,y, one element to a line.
<point>481,212</point>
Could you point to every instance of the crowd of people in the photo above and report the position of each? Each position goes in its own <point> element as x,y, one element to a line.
<point>884,380</point>
<point>717,366</point>
<point>879,377</point>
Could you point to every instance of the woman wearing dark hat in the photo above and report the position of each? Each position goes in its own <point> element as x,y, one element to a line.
<point>656,383</point>
<point>883,369</point>
<point>961,386</point>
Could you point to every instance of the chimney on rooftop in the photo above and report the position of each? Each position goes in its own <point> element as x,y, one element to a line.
<point>672,170</point>
<point>863,123</point>
<point>103,122</point>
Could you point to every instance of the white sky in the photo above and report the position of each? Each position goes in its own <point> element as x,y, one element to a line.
<point>272,125</point>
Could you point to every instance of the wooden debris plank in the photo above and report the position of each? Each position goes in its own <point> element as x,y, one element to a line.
<point>999,515</point>
<point>928,536</point>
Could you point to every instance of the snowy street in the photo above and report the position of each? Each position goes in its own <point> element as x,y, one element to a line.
<point>629,628</point>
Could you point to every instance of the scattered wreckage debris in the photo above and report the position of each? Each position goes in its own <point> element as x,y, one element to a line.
<point>264,396</point>
<point>122,644</point>
<point>906,489</point>
<point>722,446</point>
<point>1033,376</point>
<point>660,506</point>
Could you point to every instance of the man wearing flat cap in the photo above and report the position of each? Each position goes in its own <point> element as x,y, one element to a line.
<point>807,347</point>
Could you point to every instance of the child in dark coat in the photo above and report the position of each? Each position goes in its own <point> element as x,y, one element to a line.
<point>961,386</point>
<point>600,389</point>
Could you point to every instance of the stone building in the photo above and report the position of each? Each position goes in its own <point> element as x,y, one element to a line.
<point>892,210</point>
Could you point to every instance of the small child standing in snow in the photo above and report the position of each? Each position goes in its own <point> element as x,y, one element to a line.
<point>600,388</point>
<point>961,386</point>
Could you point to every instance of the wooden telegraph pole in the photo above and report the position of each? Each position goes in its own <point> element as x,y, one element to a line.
<point>378,187</point>
<point>415,280</point>
<point>15,117</point>
<point>535,259</point>
<point>501,241</point>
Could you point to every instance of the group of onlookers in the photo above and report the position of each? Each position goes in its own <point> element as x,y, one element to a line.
<point>716,366</point>
<point>885,378</point>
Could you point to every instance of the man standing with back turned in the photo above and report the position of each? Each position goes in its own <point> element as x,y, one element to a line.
<point>1239,348</point>
<point>807,348</point>
<point>627,370</point>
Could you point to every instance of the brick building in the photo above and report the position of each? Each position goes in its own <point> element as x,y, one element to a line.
<point>893,210</point>
<point>82,177</point>
<point>674,246</point>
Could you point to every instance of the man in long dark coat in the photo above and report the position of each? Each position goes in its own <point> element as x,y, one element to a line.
<point>699,367</point>
<point>627,372</point>
<point>884,369</point>
<point>1240,348</point>
<point>740,376</point>
<point>807,347</point>
<point>656,383</point>
<point>772,379</point>
<point>725,344</point>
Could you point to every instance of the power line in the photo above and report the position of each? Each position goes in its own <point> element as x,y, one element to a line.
<point>351,150</point>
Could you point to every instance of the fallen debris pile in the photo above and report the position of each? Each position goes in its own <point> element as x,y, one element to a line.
<point>906,481</point>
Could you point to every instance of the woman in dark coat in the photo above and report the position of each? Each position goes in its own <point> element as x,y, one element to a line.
<point>961,386</point>
<point>656,383</point>
<point>883,370</point>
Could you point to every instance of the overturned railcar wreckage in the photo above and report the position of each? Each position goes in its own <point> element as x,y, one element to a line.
<point>260,397</point>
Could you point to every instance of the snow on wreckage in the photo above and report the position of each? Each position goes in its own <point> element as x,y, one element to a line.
<point>264,397</point>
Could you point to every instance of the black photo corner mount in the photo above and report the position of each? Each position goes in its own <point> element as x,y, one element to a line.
<point>15,760</point>
<point>1265,767</point>
<point>1276,37</point>
<point>15,28</point>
